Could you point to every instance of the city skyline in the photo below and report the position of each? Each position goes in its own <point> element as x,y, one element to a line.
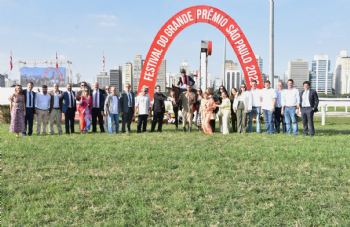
<point>81,37</point>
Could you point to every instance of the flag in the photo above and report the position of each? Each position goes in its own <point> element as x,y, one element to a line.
<point>56,61</point>
<point>103,61</point>
<point>11,60</point>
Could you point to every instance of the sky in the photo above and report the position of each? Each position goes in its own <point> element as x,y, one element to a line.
<point>80,31</point>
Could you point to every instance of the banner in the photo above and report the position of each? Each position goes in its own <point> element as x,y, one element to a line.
<point>43,76</point>
<point>185,18</point>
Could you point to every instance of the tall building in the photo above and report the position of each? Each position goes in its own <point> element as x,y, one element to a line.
<point>321,79</point>
<point>162,76</point>
<point>138,64</point>
<point>127,75</point>
<point>233,79</point>
<point>276,79</point>
<point>260,62</point>
<point>298,71</point>
<point>229,65</point>
<point>341,79</point>
<point>102,80</point>
<point>115,76</point>
<point>217,83</point>
<point>209,80</point>
<point>184,65</point>
<point>2,80</point>
<point>168,79</point>
<point>174,78</point>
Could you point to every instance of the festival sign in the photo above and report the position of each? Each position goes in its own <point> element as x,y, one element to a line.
<point>185,18</point>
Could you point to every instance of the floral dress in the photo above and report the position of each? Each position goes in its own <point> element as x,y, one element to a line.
<point>85,108</point>
<point>17,115</point>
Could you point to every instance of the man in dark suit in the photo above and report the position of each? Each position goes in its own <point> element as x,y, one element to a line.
<point>29,98</point>
<point>308,105</point>
<point>185,80</point>
<point>69,108</point>
<point>98,102</point>
<point>158,109</point>
<point>127,106</point>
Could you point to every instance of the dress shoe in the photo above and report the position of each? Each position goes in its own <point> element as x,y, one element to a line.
<point>184,129</point>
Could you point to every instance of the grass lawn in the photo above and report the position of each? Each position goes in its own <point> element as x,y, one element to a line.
<point>177,179</point>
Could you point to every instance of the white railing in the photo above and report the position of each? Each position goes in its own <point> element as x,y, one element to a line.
<point>324,103</point>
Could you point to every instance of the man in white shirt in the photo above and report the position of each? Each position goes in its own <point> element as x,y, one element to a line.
<point>256,104</point>
<point>278,109</point>
<point>105,95</point>
<point>143,103</point>
<point>112,109</point>
<point>56,109</point>
<point>42,108</point>
<point>268,106</point>
<point>290,107</point>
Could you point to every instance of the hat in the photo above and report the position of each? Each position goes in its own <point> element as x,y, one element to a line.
<point>144,86</point>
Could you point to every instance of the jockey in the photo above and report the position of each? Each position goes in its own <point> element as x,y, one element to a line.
<point>185,80</point>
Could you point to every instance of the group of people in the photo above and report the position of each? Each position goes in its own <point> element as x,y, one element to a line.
<point>278,107</point>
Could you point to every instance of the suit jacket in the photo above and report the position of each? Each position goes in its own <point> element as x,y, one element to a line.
<point>65,98</point>
<point>313,99</point>
<point>102,98</point>
<point>187,101</point>
<point>24,92</point>
<point>123,100</point>
<point>158,99</point>
<point>52,100</point>
<point>191,82</point>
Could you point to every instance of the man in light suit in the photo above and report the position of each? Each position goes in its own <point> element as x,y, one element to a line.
<point>308,104</point>
<point>69,108</point>
<point>127,106</point>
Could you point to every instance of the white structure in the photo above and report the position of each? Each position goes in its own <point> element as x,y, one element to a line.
<point>209,83</point>
<point>260,62</point>
<point>127,75</point>
<point>320,78</point>
<point>102,80</point>
<point>138,64</point>
<point>205,77</point>
<point>233,79</point>
<point>341,79</point>
<point>115,76</point>
<point>161,78</point>
<point>298,71</point>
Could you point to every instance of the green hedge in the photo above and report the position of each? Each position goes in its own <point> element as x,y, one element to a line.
<point>5,114</point>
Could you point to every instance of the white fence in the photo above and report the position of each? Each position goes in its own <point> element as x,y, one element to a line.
<point>336,102</point>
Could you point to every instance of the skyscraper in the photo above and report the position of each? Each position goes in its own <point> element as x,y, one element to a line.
<point>115,76</point>
<point>127,75</point>
<point>217,83</point>
<point>161,75</point>
<point>341,79</point>
<point>276,79</point>
<point>233,77</point>
<point>321,79</point>
<point>260,62</point>
<point>167,79</point>
<point>102,80</point>
<point>138,64</point>
<point>298,71</point>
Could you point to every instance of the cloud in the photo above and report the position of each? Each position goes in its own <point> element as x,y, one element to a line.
<point>107,24</point>
<point>319,42</point>
<point>109,17</point>
<point>89,46</point>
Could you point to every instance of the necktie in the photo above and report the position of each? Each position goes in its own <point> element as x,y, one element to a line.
<point>71,99</point>
<point>129,99</point>
<point>95,100</point>
<point>30,99</point>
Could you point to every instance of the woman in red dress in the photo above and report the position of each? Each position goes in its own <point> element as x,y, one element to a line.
<point>85,111</point>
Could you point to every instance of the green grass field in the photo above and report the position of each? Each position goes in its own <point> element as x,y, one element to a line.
<point>177,179</point>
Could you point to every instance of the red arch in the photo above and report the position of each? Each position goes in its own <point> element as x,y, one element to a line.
<point>57,70</point>
<point>185,18</point>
